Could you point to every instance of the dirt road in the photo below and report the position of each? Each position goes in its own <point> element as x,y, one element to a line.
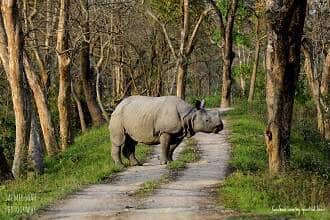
<point>192,195</point>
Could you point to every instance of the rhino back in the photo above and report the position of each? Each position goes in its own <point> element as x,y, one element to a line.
<point>144,118</point>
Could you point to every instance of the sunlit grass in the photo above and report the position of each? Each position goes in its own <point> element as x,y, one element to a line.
<point>250,189</point>
<point>86,162</point>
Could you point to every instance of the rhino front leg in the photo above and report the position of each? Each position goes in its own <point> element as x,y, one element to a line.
<point>117,139</point>
<point>165,147</point>
<point>116,155</point>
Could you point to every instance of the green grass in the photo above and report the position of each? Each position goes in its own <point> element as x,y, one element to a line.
<point>150,186</point>
<point>86,162</point>
<point>250,189</point>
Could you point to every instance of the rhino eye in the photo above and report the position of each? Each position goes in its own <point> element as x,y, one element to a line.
<point>207,120</point>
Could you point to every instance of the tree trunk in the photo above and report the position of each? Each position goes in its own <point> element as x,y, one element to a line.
<point>254,72</point>
<point>119,72</point>
<point>64,75</point>
<point>181,80</point>
<point>80,109</point>
<point>47,58</point>
<point>318,84</point>
<point>182,59</point>
<point>98,96</point>
<point>242,84</point>
<point>117,43</point>
<point>5,173</point>
<point>42,108</point>
<point>34,43</point>
<point>18,85</point>
<point>87,72</point>
<point>255,65</point>
<point>228,55</point>
<point>325,84</point>
<point>285,22</point>
<point>87,81</point>
<point>35,145</point>
<point>226,81</point>
<point>186,45</point>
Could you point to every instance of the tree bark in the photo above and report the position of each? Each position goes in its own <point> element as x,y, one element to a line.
<point>285,22</point>
<point>242,84</point>
<point>80,109</point>
<point>33,43</point>
<point>42,108</point>
<point>319,88</point>
<point>181,80</point>
<point>182,58</point>
<point>35,146</point>
<point>86,70</point>
<point>13,66</point>
<point>226,83</point>
<point>98,96</point>
<point>325,85</point>
<point>255,64</point>
<point>227,51</point>
<point>64,75</point>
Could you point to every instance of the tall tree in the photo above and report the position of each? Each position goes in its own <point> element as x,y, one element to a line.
<point>63,58</point>
<point>316,50</point>
<point>38,80</point>
<point>98,70</point>
<point>45,119</point>
<point>256,58</point>
<point>226,26</point>
<point>285,22</point>
<point>86,71</point>
<point>11,57</point>
<point>36,145</point>
<point>319,84</point>
<point>79,108</point>
<point>186,44</point>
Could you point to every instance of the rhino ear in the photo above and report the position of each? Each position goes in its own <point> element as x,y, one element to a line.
<point>203,104</point>
<point>198,104</point>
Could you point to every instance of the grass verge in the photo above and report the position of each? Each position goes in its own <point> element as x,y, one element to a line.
<point>304,186</point>
<point>85,162</point>
<point>189,154</point>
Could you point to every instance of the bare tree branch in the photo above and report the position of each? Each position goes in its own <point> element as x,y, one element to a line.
<point>193,35</point>
<point>220,16</point>
<point>169,42</point>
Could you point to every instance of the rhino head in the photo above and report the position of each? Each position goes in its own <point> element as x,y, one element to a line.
<point>206,120</point>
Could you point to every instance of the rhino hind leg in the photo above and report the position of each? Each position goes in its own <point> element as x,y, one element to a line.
<point>165,148</point>
<point>171,150</point>
<point>129,151</point>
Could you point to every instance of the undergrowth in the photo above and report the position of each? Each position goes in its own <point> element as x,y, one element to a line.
<point>85,162</point>
<point>303,190</point>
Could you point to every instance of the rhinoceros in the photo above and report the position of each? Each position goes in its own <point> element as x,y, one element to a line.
<point>163,120</point>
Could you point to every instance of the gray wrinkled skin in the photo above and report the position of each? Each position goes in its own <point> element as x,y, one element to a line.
<point>157,120</point>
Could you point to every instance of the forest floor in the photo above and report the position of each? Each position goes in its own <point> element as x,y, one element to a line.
<point>191,194</point>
